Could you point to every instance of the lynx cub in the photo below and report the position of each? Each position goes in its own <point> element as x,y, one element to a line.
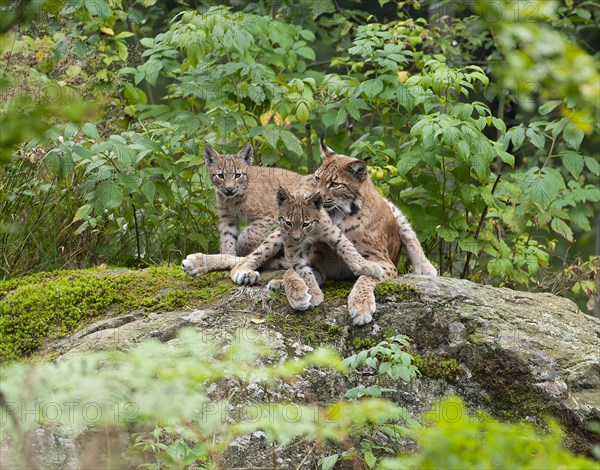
<point>303,224</point>
<point>245,193</point>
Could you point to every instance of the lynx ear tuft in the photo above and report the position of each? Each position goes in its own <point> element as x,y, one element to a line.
<point>210,154</point>
<point>247,153</point>
<point>316,200</point>
<point>358,169</point>
<point>283,196</point>
<point>326,152</point>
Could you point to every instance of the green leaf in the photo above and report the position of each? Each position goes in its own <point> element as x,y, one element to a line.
<point>372,87</point>
<point>226,124</point>
<point>98,8</point>
<point>370,459</point>
<point>407,163</point>
<point>548,107</point>
<point>272,136</point>
<point>536,139</point>
<point>256,94</point>
<point>517,135</point>
<point>306,52</point>
<point>573,135</point>
<point>148,189</point>
<point>302,112</point>
<point>499,266</point>
<point>90,130</point>
<point>464,151</point>
<point>573,162</point>
<point>561,227</point>
<point>124,34</point>
<point>447,234</point>
<point>506,157</point>
<point>593,165</point>
<point>82,212</point>
<point>319,7</point>
<point>469,244</point>
<point>108,195</point>
<point>291,142</point>
<point>327,463</point>
<point>177,451</point>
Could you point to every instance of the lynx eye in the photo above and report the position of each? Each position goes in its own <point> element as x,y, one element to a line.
<point>288,223</point>
<point>335,185</point>
<point>221,176</point>
<point>237,176</point>
<point>316,179</point>
<point>306,224</point>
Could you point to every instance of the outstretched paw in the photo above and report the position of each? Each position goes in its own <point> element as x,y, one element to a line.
<point>361,307</point>
<point>195,265</point>
<point>372,269</point>
<point>426,269</point>
<point>244,276</point>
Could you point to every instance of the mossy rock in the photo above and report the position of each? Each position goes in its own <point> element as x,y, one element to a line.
<point>54,304</point>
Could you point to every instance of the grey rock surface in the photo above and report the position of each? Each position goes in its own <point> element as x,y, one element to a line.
<point>520,355</point>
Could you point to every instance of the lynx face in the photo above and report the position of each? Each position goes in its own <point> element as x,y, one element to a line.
<point>340,179</point>
<point>229,172</point>
<point>299,213</point>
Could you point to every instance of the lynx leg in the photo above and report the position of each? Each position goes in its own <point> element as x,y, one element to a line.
<point>198,264</point>
<point>414,250</point>
<point>246,272</point>
<point>296,290</point>
<point>228,233</point>
<point>253,235</point>
<point>361,301</point>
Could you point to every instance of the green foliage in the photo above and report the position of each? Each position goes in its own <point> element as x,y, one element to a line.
<point>388,358</point>
<point>51,305</point>
<point>128,388</point>
<point>456,440</point>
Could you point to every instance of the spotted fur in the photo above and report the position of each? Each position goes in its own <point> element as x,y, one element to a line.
<point>244,193</point>
<point>304,224</point>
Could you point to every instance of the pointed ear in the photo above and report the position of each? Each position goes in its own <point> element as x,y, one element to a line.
<point>210,154</point>
<point>283,196</point>
<point>358,169</point>
<point>326,152</point>
<point>315,200</point>
<point>247,153</point>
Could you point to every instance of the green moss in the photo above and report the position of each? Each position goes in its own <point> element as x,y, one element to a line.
<point>510,385</point>
<point>51,305</point>
<point>439,367</point>
<point>304,327</point>
<point>363,343</point>
<point>394,291</point>
<point>334,290</point>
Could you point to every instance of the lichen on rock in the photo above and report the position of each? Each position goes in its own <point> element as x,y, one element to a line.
<point>515,355</point>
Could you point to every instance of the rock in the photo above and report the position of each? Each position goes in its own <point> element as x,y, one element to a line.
<point>517,355</point>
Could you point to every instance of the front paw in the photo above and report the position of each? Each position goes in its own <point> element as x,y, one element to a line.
<point>316,298</point>
<point>426,269</point>
<point>361,307</point>
<point>372,269</point>
<point>275,284</point>
<point>195,265</point>
<point>299,300</point>
<point>244,276</point>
